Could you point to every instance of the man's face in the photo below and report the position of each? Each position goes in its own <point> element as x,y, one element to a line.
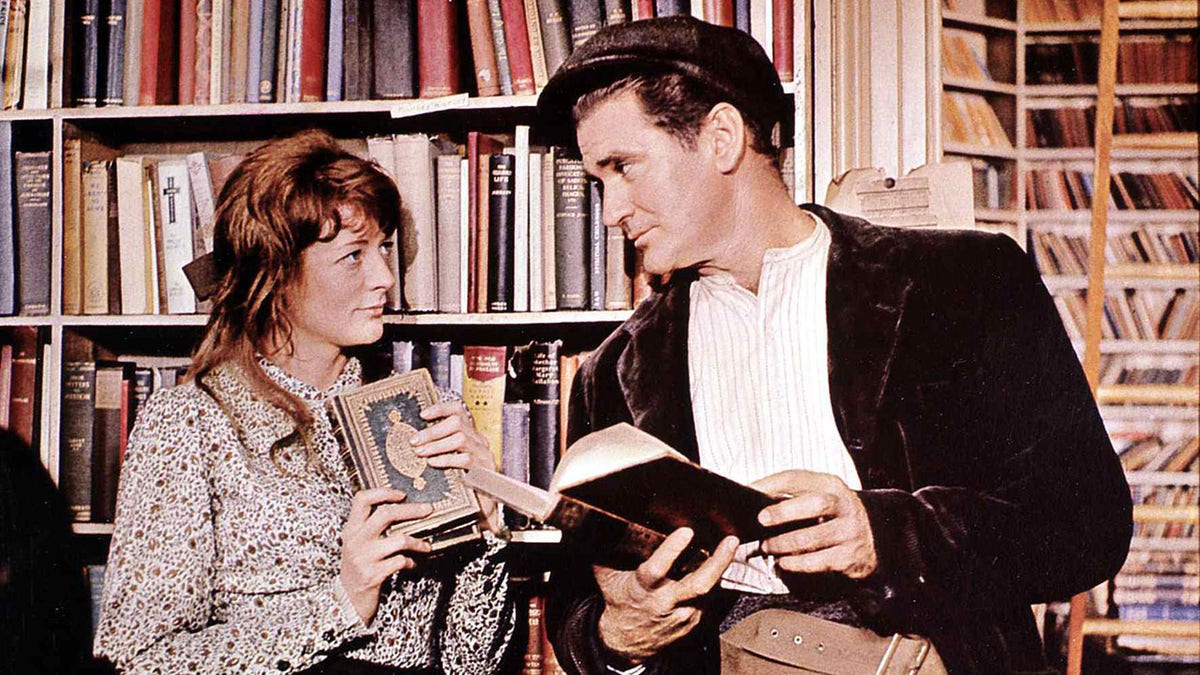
<point>663,196</point>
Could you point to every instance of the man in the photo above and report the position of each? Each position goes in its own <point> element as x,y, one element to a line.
<point>915,391</point>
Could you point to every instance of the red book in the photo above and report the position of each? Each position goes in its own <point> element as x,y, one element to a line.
<point>483,48</point>
<point>782,35</point>
<point>720,12</point>
<point>516,37</point>
<point>313,47</point>
<point>477,144</point>
<point>187,53</point>
<point>160,52</point>
<point>437,48</point>
<point>24,392</point>
<point>643,9</point>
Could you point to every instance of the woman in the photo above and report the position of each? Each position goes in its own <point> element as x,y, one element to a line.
<point>240,543</point>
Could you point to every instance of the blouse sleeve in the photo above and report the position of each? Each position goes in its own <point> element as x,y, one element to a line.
<point>159,611</point>
<point>481,614</point>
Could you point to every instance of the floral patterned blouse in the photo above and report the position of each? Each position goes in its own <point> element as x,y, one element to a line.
<point>223,561</point>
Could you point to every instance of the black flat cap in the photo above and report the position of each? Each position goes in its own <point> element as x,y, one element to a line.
<point>728,60</point>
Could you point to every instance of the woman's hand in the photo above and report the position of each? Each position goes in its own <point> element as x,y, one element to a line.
<point>453,442</point>
<point>368,557</point>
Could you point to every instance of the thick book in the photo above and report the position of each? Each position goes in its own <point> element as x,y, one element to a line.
<point>395,45</point>
<point>437,48</point>
<point>570,233</point>
<point>587,17</point>
<point>87,92</point>
<point>556,33</point>
<point>8,261</point>
<point>106,436</point>
<point>500,293</point>
<point>483,48</point>
<point>25,393</point>
<point>75,459</point>
<point>375,423</point>
<point>33,232</point>
<point>516,41</point>
<point>160,55</point>
<point>113,33</point>
<point>619,492</point>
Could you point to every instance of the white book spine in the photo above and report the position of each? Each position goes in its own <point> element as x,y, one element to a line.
<point>131,236</point>
<point>549,285</point>
<point>521,220</point>
<point>536,293</point>
<point>449,241</point>
<point>37,56</point>
<point>202,197</point>
<point>175,213</point>
<point>217,51</point>
<point>131,80</point>
<point>94,225</point>
<point>414,161</point>
<point>464,229</point>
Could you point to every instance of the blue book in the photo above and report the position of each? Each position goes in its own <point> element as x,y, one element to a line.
<point>671,7</point>
<point>597,248</point>
<point>269,52</point>
<point>8,270</point>
<point>333,60</point>
<point>254,55</point>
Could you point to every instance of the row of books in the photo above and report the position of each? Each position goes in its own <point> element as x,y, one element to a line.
<point>964,55</point>
<point>1168,592</point>
<point>1059,251</point>
<point>1136,314</point>
<point>144,52</point>
<point>993,183</point>
<point>1142,58</point>
<point>25,217</point>
<point>20,381</point>
<point>1149,369</point>
<point>969,118</point>
<point>1182,494</point>
<point>1068,189</point>
<point>1057,11</point>
<point>1164,446</point>
<point>25,27</point>
<point>1149,569</point>
<point>1072,124</point>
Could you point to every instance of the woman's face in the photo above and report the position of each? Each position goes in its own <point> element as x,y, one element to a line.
<point>339,298</point>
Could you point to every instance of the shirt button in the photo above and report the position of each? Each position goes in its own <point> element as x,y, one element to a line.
<point>327,636</point>
<point>282,665</point>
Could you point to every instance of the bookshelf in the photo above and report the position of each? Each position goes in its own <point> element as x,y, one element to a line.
<point>1147,386</point>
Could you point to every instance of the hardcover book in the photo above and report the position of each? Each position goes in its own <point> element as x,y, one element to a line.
<point>619,492</point>
<point>375,423</point>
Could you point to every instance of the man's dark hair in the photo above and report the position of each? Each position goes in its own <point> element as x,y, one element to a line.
<point>677,104</point>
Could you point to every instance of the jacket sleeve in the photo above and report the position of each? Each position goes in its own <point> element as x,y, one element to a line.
<point>1035,506</point>
<point>158,610</point>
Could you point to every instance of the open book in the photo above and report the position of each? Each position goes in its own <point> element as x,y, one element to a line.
<point>619,492</point>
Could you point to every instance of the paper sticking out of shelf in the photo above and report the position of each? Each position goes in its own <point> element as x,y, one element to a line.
<point>423,106</point>
<point>938,195</point>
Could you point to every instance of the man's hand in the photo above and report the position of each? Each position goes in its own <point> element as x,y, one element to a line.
<point>644,610</point>
<point>842,542</point>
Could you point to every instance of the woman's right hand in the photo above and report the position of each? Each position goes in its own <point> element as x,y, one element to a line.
<point>369,557</point>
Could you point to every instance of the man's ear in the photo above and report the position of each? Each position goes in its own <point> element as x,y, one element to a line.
<point>725,132</point>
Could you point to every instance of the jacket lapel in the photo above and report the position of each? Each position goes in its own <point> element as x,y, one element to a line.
<point>653,369</point>
<point>865,302</point>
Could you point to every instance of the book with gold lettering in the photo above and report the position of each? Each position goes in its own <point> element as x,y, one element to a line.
<point>375,423</point>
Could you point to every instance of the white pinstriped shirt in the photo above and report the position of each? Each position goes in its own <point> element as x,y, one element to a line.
<point>758,367</point>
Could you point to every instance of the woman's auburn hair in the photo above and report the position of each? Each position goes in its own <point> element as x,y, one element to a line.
<point>281,199</point>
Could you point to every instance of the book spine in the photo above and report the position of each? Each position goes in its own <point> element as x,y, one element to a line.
<point>33,232</point>
<point>269,52</point>
<point>516,40</point>
<point>106,441</point>
<point>483,48</point>
<point>6,15</point>
<point>671,7</point>
<point>783,40</point>
<point>719,12</point>
<point>414,158</point>
<point>532,663</point>
<point>618,282</point>
<point>570,233</point>
<point>14,54</point>
<point>175,214</point>
<point>437,48</point>
<point>483,392</point>
<point>313,41</point>
<point>642,9</point>
<point>201,50</point>
<point>549,256</point>
<point>113,252</point>
<point>500,233</point>
<point>449,235</point>
<point>78,409</point>
<point>94,223</point>
<point>114,60</point>
<point>615,12</point>
<point>6,383</point>
<point>335,54</point>
<point>587,16</point>
<point>132,235</point>
<point>254,31</point>
<point>500,44</point>
<point>204,199</point>
<point>8,262</point>
<point>239,49</point>
<point>537,51</point>
<point>87,95</point>
<point>741,15</point>
<point>556,34</point>
<point>439,363</point>
<point>536,255</point>
<point>544,413</point>
<point>37,58</point>
<point>160,56</point>
<point>351,82</point>
<point>395,48</point>
<point>26,384</point>
<point>189,53</point>
<point>514,452</point>
<point>597,257</point>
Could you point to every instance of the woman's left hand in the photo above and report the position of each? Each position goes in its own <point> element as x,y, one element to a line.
<point>454,442</point>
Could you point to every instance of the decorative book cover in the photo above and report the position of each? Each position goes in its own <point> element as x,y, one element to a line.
<point>376,421</point>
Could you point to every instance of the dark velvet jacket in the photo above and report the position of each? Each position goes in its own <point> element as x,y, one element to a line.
<point>987,475</point>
